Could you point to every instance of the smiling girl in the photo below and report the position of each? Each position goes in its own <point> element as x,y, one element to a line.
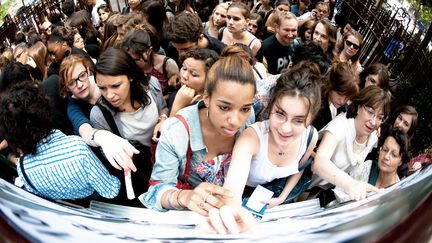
<point>391,157</point>
<point>324,34</point>
<point>350,48</point>
<point>274,152</point>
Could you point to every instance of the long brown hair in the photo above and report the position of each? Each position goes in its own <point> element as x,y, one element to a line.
<point>39,52</point>
<point>116,62</point>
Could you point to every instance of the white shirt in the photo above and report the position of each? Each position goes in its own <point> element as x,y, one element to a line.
<point>343,129</point>
<point>262,170</point>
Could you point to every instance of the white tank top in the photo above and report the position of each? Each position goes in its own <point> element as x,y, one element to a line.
<point>262,170</point>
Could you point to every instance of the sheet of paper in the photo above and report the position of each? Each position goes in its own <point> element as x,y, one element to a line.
<point>259,198</point>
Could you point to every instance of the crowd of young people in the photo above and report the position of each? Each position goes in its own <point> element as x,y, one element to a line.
<point>180,115</point>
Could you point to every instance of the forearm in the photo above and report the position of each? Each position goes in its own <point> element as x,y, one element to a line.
<point>3,144</point>
<point>87,132</point>
<point>328,171</point>
<point>91,136</point>
<point>290,184</point>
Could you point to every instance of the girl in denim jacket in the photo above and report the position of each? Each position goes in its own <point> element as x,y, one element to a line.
<point>210,129</point>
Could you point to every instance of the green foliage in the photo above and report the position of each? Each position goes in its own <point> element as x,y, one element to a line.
<point>418,89</point>
<point>424,8</point>
<point>421,100</point>
<point>4,8</point>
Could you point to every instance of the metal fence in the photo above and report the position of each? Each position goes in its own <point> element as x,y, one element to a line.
<point>390,37</point>
<point>34,15</point>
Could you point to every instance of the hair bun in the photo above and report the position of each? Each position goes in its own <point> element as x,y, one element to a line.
<point>239,50</point>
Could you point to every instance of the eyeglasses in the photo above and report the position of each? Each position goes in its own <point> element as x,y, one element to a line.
<point>280,117</point>
<point>349,43</point>
<point>73,82</point>
<point>373,115</point>
<point>393,154</point>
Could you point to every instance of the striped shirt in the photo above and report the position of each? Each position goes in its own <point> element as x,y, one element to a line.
<point>64,167</point>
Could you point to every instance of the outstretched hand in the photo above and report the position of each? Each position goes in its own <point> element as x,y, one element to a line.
<point>229,219</point>
<point>358,190</point>
<point>117,150</point>
<point>205,197</point>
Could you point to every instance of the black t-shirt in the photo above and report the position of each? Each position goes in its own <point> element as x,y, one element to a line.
<point>276,55</point>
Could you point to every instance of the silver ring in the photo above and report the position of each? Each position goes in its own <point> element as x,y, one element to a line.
<point>201,204</point>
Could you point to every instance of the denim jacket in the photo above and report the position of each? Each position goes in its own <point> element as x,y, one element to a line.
<point>171,154</point>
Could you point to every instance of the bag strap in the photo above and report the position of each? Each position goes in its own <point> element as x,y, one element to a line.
<point>220,33</point>
<point>256,71</point>
<point>165,73</point>
<point>21,161</point>
<point>308,142</point>
<point>109,119</point>
<point>189,151</point>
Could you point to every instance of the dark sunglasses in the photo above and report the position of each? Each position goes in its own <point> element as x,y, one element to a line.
<point>349,43</point>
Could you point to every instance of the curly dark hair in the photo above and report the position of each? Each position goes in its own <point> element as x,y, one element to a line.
<point>13,73</point>
<point>311,51</point>
<point>209,57</point>
<point>116,62</point>
<point>25,117</point>
<point>184,28</point>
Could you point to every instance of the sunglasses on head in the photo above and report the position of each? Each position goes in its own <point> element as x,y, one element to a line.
<point>349,43</point>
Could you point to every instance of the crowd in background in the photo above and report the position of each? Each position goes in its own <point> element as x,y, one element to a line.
<point>191,105</point>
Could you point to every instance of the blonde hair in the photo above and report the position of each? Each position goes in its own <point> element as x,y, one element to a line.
<point>282,16</point>
<point>221,5</point>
